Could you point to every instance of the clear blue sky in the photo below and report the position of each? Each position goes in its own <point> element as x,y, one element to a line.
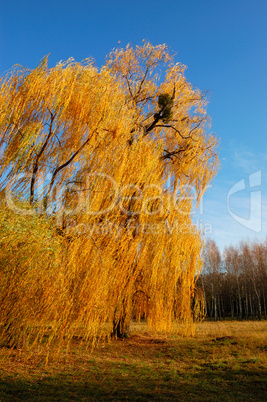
<point>224,45</point>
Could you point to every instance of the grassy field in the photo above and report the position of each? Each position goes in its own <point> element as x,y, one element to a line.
<point>225,361</point>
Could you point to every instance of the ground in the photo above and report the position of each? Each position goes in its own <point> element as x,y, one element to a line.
<point>225,361</point>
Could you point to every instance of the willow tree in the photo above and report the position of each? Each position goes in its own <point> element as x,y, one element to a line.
<point>114,155</point>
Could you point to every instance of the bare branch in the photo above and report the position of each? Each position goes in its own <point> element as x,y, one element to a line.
<point>177,131</point>
<point>194,128</point>
<point>175,153</point>
<point>65,164</point>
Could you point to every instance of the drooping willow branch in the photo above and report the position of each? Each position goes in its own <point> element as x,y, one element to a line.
<point>62,166</point>
<point>39,155</point>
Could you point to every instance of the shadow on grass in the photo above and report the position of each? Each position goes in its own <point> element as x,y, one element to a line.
<point>120,382</point>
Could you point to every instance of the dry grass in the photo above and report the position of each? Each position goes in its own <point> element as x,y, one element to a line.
<point>225,361</point>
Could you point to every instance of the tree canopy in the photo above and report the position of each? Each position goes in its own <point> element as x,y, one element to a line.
<point>101,163</point>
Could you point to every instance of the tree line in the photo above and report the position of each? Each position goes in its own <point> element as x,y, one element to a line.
<point>234,282</point>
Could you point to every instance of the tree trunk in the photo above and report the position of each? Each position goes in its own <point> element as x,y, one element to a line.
<point>215,309</point>
<point>264,302</point>
<point>258,299</point>
<point>232,307</point>
<point>121,327</point>
<point>121,322</point>
<point>247,313</point>
<point>251,306</point>
<point>204,295</point>
<point>240,315</point>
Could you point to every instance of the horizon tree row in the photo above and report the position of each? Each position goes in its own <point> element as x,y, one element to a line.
<point>234,284</point>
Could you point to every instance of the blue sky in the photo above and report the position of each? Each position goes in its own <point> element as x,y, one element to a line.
<point>224,45</point>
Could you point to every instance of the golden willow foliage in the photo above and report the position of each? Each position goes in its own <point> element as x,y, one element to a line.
<point>108,158</point>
